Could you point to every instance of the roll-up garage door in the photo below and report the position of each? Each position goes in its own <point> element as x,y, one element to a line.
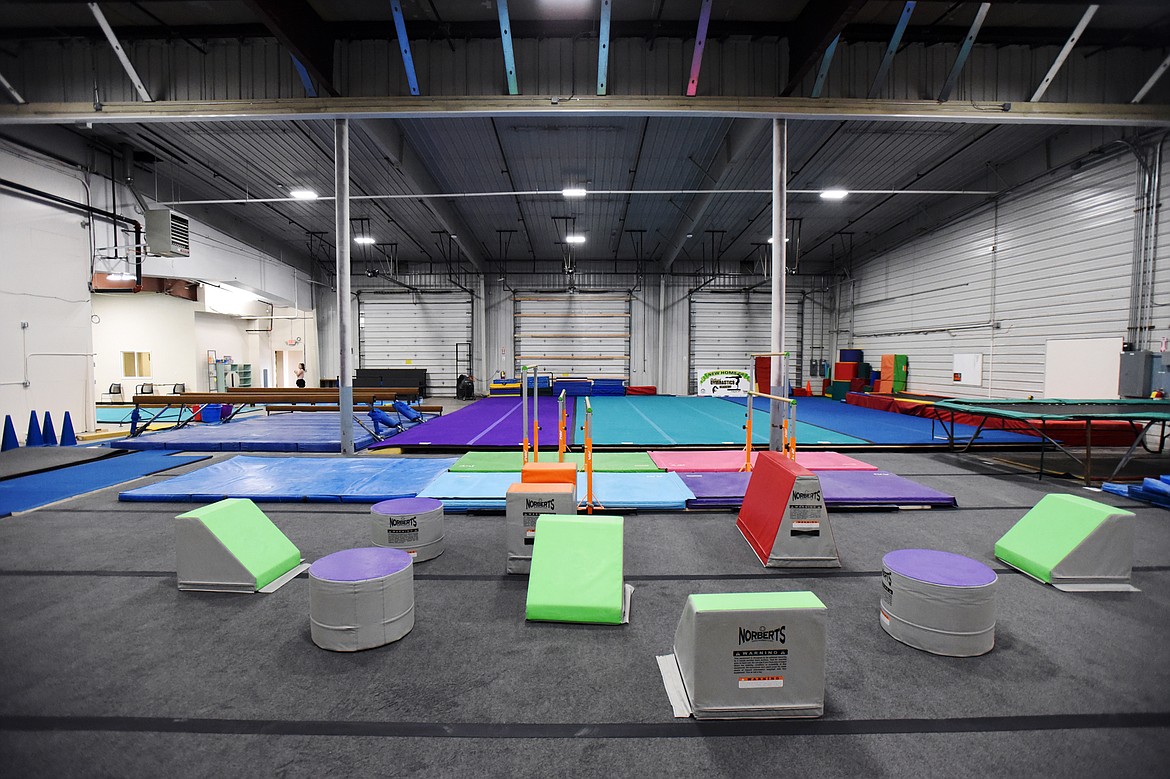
<point>416,331</point>
<point>575,334</point>
<point>727,327</point>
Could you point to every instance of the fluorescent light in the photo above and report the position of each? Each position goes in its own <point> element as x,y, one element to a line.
<point>834,194</point>
<point>363,239</point>
<point>120,277</point>
<point>770,240</point>
<point>574,239</point>
<point>303,194</point>
<point>573,192</point>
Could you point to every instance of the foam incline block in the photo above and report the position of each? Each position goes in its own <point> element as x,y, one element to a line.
<point>231,546</point>
<point>549,473</point>
<point>1072,543</point>
<point>577,570</point>
<point>784,518</point>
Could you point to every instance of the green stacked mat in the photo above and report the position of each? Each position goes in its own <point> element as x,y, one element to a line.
<point>510,462</point>
<point>576,570</point>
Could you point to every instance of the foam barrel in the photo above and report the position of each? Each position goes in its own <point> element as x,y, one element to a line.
<point>414,525</point>
<point>361,598</point>
<point>939,602</point>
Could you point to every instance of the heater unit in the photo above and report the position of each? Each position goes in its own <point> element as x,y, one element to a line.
<point>167,234</point>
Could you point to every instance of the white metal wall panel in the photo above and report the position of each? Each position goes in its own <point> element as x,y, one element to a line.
<point>1049,263</point>
<point>415,331</point>
<point>727,327</point>
<point>574,334</point>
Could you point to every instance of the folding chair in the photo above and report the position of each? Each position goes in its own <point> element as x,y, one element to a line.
<point>115,389</point>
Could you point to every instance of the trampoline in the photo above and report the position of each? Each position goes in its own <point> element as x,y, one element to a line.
<point>489,423</point>
<point>1148,412</point>
<point>318,432</point>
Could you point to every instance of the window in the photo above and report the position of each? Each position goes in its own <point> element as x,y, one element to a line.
<point>136,365</point>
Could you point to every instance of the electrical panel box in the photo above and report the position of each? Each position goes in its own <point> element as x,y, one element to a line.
<point>167,234</point>
<point>1134,379</point>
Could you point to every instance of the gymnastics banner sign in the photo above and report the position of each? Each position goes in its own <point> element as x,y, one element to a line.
<point>723,383</point>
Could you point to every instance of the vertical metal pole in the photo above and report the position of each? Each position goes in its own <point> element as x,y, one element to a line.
<point>344,314</point>
<point>779,280</point>
<point>524,409</point>
<point>536,415</point>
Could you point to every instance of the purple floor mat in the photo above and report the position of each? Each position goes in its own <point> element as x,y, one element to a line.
<point>841,489</point>
<point>486,423</point>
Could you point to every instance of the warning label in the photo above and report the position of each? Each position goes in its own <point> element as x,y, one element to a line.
<point>750,682</point>
<point>402,536</point>
<point>804,511</point>
<point>759,662</point>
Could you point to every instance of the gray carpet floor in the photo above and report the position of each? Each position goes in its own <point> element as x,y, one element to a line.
<point>108,670</point>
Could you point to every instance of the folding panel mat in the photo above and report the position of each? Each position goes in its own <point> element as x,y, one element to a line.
<point>510,462</point>
<point>315,432</point>
<point>292,479</point>
<point>1073,543</point>
<point>784,518</point>
<point>733,460</point>
<point>231,546</point>
<point>40,489</point>
<point>486,423</point>
<point>840,489</point>
<point>752,655</point>
<point>576,570</point>
<point>487,491</point>
<point>37,459</point>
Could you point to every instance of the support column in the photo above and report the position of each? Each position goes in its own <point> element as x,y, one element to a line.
<point>344,314</point>
<point>779,280</point>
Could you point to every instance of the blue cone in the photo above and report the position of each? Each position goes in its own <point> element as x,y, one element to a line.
<point>34,431</point>
<point>68,437</point>
<point>48,433</point>
<point>10,439</point>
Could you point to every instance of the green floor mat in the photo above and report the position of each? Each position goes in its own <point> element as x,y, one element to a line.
<point>510,462</point>
<point>576,570</point>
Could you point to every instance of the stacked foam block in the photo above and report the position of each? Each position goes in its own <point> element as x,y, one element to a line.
<point>847,376</point>
<point>894,373</point>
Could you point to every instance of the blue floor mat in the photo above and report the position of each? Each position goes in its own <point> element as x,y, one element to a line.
<point>316,432</point>
<point>488,491</point>
<point>299,479</point>
<point>881,427</point>
<point>39,489</point>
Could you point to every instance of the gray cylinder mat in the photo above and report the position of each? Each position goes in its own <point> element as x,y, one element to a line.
<point>361,598</point>
<point>939,602</point>
<point>414,525</point>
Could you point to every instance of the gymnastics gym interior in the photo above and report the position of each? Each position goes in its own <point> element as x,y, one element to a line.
<point>584,387</point>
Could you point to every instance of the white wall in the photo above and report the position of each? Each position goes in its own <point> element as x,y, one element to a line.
<point>144,322</point>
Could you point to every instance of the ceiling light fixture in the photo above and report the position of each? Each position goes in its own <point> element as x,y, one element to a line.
<point>834,194</point>
<point>365,240</point>
<point>573,192</point>
<point>574,239</point>
<point>120,277</point>
<point>770,239</point>
<point>303,194</point>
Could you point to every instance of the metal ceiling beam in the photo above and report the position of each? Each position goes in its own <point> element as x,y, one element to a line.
<point>306,79</point>
<point>393,144</point>
<point>964,51</point>
<point>1064,52</point>
<point>16,98</point>
<point>300,30</point>
<point>603,47</point>
<point>118,50</point>
<point>891,49</point>
<point>1153,79</point>
<point>823,71</point>
<point>506,45</point>
<point>810,35</point>
<point>738,141</point>
<point>700,43</point>
<point>838,109</point>
<point>404,46</point>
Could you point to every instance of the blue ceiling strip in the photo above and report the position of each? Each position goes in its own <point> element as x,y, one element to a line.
<point>603,48</point>
<point>506,42</point>
<point>823,72</point>
<point>891,50</point>
<point>700,42</point>
<point>310,90</point>
<point>404,45</point>
<point>964,51</point>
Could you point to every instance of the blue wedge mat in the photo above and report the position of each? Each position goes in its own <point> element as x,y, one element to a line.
<point>39,489</point>
<point>299,479</point>
<point>316,432</point>
<point>488,491</point>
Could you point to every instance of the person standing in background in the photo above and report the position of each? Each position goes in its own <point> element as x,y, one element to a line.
<point>300,374</point>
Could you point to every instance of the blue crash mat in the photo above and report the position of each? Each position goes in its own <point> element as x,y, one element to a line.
<point>316,432</point>
<point>488,491</point>
<point>297,479</point>
<point>39,489</point>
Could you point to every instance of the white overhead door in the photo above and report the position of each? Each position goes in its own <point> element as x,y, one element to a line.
<point>726,327</point>
<point>574,334</point>
<point>416,331</point>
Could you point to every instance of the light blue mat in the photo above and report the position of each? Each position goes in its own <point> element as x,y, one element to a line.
<point>299,479</point>
<point>488,491</point>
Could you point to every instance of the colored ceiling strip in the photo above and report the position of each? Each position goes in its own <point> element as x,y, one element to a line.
<point>404,45</point>
<point>1064,52</point>
<point>310,90</point>
<point>891,50</point>
<point>126,65</point>
<point>823,72</point>
<point>964,52</point>
<point>506,43</point>
<point>700,42</point>
<point>1157,74</point>
<point>603,47</point>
